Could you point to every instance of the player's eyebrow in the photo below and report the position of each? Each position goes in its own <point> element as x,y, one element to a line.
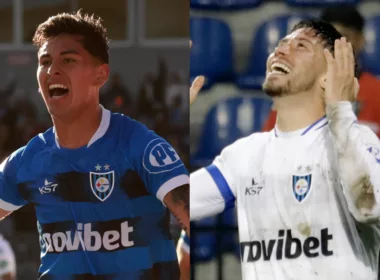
<point>69,52</point>
<point>283,41</point>
<point>46,55</point>
<point>305,39</point>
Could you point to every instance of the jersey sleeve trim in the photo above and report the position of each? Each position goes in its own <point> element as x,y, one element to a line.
<point>171,184</point>
<point>8,206</point>
<point>222,185</point>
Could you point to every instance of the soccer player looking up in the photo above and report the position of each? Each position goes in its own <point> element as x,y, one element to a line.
<point>350,23</point>
<point>307,191</point>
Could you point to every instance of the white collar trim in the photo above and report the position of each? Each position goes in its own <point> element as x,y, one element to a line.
<point>102,129</point>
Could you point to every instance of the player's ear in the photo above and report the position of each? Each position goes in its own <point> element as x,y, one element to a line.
<point>322,82</point>
<point>103,72</point>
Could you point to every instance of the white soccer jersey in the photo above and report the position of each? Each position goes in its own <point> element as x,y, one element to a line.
<point>7,258</point>
<point>305,200</point>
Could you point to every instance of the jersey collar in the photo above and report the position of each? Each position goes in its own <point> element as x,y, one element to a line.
<point>313,127</point>
<point>102,129</point>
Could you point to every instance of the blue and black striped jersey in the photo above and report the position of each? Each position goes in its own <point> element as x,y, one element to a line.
<point>99,208</point>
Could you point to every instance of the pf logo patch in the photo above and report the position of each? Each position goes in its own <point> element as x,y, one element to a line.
<point>160,157</point>
<point>301,187</point>
<point>102,184</point>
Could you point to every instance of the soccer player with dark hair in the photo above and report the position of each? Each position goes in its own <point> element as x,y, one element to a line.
<point>307,193</point>
<point>350,23</point>
<point>102,184</point>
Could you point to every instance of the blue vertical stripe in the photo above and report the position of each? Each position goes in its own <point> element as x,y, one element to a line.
<point>222,185</point>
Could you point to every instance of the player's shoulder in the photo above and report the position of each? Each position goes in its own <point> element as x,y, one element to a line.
<point>370,136</point>
<point>136,138</point>
<point>35,146</point>
<point>130,127</point>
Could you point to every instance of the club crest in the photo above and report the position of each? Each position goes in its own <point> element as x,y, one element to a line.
<point>301,187</point>
<point>102,184</point>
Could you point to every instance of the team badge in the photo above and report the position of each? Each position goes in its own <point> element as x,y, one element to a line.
<point>301,187</point>
<point>102,184</point>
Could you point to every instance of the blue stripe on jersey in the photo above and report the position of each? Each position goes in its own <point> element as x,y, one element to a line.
<point>223,186</point>
<point>310,127</point>
<point>108,210</point>
<point>161,250</point>
<point>323,125</point>
<point>160,270</point>
<point>314,124</point>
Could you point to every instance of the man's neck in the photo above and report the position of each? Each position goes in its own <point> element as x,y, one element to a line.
<point>298,111</point>
<point>73,133</point>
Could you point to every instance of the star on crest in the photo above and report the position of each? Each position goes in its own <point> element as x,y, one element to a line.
<point>98,167</point>
<point>308,168</point>
<point>107,167</point>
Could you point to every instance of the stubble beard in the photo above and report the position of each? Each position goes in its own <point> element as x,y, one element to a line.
<point>273,90</point>
<point>288,88</point>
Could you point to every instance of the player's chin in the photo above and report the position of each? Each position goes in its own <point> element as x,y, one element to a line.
<point>58,106</point>
<point>273,88</point>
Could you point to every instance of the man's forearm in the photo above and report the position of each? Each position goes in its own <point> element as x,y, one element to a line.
<point>178,203</point>
<point>358,157</point>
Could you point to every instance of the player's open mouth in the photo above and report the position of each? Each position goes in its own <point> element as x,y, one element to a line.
<point>58,90</point>
<point>279,68</point>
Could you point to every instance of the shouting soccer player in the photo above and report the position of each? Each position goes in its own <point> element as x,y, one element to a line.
<point>99,181</point>
<point>308,192</point>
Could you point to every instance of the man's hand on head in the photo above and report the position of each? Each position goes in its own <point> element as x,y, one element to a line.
<point>341,84</point>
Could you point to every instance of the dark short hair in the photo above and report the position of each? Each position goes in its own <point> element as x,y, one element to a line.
<point>89,27</point>
<point>326,33</point>
<point>346,15</point>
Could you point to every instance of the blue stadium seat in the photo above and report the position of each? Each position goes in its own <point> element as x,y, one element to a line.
<point>227,121</point>
<point>212,51</point>
<point>370,58</point>
<point>203,244</point>
<point>265,41</point>
<point>319,3</point>
<point>224,4</point>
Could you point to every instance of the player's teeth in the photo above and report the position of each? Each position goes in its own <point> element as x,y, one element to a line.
<point>57,86</point>
<point>285,68</point>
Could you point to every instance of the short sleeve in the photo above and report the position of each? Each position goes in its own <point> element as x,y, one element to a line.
<point>10,198</point>
<point>213,188</point>
<point>223,172</point>
<point>157,163</point>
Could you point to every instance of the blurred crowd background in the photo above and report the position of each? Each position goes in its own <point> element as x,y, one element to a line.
<point>149,53</point>
<point>231,42</point>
